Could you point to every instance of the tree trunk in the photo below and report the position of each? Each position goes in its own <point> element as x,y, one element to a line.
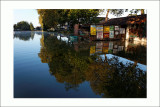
<point>142,11</point>
<point>106,19</point>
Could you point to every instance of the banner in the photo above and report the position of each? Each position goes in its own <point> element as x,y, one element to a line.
<point>106,35</point>
<point>111,34</point>
<point>99,28</point>
<point>122,30</point>
<point>93,29</point>
<point>106,29</point>
<point>99,35</point>
<point>111,28</point>
<point>116,32</point>
<point>99,31</point>
<point>116,27</point>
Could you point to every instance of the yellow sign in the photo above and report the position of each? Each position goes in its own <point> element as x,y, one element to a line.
<point>93,29</point>
<point>99,28</point>
<point>106,29</point>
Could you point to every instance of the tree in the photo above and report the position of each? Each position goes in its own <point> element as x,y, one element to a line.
<point>83,16</point>
<point>63,16</point>
<point>51,17</point>
<point>48,18</point>
<point>31,26</point>
<point>23,25</point>
<point>15,26</point>
<point>119,12</point>
<point>116,12</point>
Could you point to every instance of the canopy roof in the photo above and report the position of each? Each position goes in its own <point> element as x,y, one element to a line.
<point>126,20</point>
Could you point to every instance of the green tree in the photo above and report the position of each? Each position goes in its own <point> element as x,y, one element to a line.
<point>83,16</point>
<point>31,26</point>
<point>63,16</point>
<point>23,25</point>
<point>48,18</point>
<point>15,26</point>
<point>116,12</point>
<point>51,17</point>
<point>119,12</point>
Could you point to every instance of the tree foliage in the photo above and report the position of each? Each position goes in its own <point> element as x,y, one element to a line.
<point>52,17</point>
<point>48,18</point>
<point>23,25</point>
<point>31,26</point>
<point>84,16</point>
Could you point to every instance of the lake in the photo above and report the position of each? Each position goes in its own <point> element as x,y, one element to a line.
<point>55,65</point>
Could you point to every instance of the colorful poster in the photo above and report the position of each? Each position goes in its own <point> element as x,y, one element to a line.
<point>106,29</point>
<point>92,50</point>
<point>106,35</point>
<point>93,29</point>
<point>111,34</point>
<point>111,28</point>
<point>122,30</point>
<point>116,32</point>
<point>100,35</point>
<point>99,28</point>
<point>116,27</point>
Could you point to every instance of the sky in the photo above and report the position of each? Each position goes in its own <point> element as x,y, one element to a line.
<point>31,15</point>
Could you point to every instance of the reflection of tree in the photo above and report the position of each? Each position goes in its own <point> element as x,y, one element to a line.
<point>24,35</point>
<point>114,79</point>
<point>108,78</point>
<point>32,35</point>
<point>65,64</point>
<point>135,53</point>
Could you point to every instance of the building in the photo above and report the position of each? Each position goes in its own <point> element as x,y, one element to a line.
<point>130,28</point>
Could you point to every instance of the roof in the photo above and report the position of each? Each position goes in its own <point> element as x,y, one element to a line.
<point>126,20</point>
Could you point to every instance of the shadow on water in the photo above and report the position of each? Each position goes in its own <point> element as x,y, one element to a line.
<point>72,65</point>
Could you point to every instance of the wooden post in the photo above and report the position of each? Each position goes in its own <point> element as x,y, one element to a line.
<point>76,28</point>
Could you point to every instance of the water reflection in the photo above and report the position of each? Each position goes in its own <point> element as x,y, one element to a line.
<point>26,35</point>
<point>73,63</point>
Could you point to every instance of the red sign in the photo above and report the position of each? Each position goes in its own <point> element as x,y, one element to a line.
<point>106,35</point>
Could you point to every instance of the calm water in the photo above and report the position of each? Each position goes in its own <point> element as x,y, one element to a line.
<point>53,65</point>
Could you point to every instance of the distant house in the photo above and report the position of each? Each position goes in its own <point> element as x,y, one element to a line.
<point>38,28</point>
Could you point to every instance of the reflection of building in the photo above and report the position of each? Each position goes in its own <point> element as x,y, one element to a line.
<point>106,47</point>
